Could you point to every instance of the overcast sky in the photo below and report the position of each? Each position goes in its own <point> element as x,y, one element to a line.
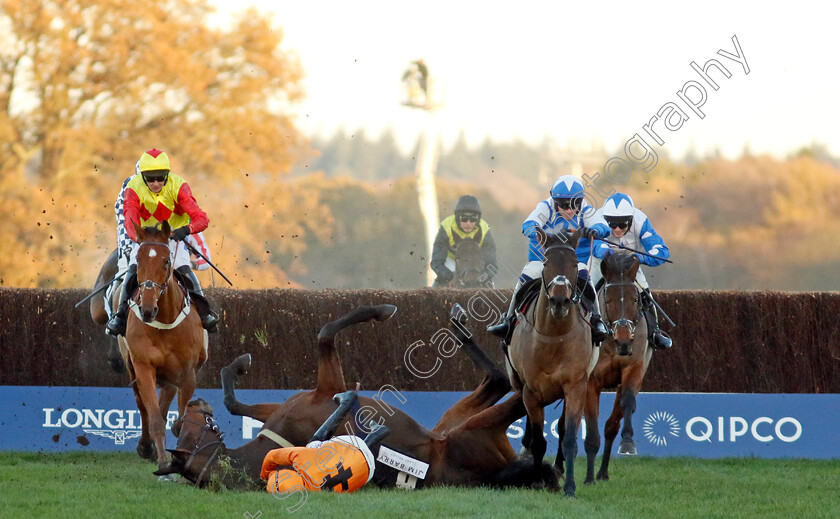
<point>570,71</point>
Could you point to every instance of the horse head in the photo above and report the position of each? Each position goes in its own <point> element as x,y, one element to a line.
<point>560,270</point>
<point>622,306</point>
<point>154,267</point>
<point>469,262</point>
<point>199,443</point>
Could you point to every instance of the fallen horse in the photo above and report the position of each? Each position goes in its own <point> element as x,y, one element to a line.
<point>468,446</point>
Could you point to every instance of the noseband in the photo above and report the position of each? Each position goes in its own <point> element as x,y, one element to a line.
<point>209,426</point>
<point>623,321</point>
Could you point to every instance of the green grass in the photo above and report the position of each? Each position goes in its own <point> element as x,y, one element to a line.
<point>120,485</point>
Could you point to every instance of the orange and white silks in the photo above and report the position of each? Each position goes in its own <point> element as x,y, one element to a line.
<point>342,464</point>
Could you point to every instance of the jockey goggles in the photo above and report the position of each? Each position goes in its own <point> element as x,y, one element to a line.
<point>467,217</point>
<point>622,223</point>
<point>155,176</point>
<point>568,203</point>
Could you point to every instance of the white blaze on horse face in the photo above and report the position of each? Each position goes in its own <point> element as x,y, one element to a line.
<point>152,253</point>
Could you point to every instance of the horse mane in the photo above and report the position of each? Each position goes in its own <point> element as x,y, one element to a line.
<point>152,230</point>
<point>202,405</point>
<point>620,261</point>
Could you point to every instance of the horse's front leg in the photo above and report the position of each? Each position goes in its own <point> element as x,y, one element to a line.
<point>157,427</point>
<point>593,437</point>
<point>167,394</point>
<point>145,446</point>
<point>185,393</point>
<point>573,407</point>
<point>536,418</point>
<point>560,460</point>
<point>627,446</point>
<point>610,432</point>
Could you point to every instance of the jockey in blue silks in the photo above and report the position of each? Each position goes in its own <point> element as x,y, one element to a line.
<point>631,228</point>
<point>566,209</point>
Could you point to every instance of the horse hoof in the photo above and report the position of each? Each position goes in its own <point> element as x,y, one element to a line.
<point>570,495</point>
<point>602,477</point>
<point>171,478</point>
<point>589,481</point>
<point>627,448</point>
<point>242,364</point>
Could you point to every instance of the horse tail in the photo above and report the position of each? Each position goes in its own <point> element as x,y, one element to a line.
<point>520,473</point>
<point>330,374</point>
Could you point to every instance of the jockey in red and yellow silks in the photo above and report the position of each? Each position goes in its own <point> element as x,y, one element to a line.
<point>341,464</point>
<point>152,197</point>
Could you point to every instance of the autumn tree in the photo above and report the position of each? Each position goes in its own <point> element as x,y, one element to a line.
<point>87,85</point>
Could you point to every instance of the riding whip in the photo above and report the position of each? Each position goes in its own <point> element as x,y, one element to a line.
<point>633,250</point>
<point>100,289</point>
<point>202,256</point>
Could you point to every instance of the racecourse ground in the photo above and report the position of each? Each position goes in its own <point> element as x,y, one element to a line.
<point>120,485</point>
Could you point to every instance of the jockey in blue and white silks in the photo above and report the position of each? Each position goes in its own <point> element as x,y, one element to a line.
<point>565,209</point>
<point>631,228</point>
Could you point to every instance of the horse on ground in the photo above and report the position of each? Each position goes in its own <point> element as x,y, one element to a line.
<point>622,363</point>
<point>97,307</point>
<point>551,355</point>
<point>468,446</point>
<point>164,343</point>
<point>469,263</point>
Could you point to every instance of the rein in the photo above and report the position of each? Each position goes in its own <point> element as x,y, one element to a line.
<point>209,425</point>
<point>558,279</point>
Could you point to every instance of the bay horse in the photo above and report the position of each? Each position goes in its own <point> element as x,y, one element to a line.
<point>623,361</point>
<point>469,262</point>
<point>468,446</point>
<point>97,304</point>
<point>551,354</point>
<point>164,342</point>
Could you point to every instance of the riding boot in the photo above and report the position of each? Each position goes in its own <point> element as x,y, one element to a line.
<point>587,299</point>
<point>658,339</point>
<point>345,403</point>
<point>116,325</point>
<point>504,330</point>
<point>209,319</point>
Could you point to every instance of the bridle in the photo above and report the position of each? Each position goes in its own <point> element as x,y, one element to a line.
<point>623,321</point>
<point>209,426</point>
<point>151,285</point>
<point>559,279</point>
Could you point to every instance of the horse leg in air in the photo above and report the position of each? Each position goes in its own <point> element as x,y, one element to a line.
<point>492,388</point>
<point>610,432</point>
<point>593,437</point>
<point>230,374</point>
<point>330,374</point>
<point>627,447</point>
<point>145,446</point>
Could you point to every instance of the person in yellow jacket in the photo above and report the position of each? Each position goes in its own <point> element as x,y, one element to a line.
<point>465,223</point>
<point>341,464</point>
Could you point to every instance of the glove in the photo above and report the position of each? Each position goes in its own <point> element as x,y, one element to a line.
<point>609,252</point>
<point>445,275</point>
<point>180,233</point>
<point>588,232</point>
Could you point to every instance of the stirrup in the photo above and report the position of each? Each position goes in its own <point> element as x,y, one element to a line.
<point>661,340</point>
<point>117,323</point>
<point>210,322</point>
<point>600,332</point>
